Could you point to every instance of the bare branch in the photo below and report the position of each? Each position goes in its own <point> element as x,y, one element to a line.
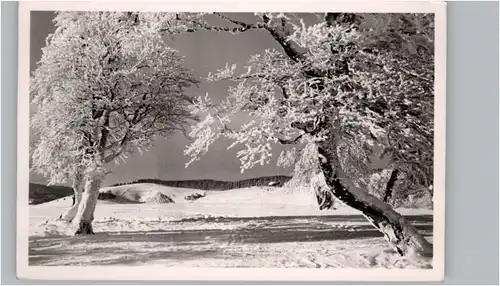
<point>199,25</point>
<point>243,25</point>
<point>290,51</point>
<point>290,141</point>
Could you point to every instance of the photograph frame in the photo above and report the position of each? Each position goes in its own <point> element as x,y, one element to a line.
<point>25,271</point>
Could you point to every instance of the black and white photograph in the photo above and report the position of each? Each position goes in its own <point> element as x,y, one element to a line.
<point>271,140</point>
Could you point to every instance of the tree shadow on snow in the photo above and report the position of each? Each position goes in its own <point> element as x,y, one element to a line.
<point>112,256</point>
<point>180,245</point>
<point>322,218</point>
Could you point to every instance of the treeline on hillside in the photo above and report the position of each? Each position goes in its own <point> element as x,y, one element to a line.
<point>39,194</point>
<point>206,184</point>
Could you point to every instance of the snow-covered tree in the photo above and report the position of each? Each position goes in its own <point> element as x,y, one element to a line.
<point>106,85</point>
<point>359,80</point>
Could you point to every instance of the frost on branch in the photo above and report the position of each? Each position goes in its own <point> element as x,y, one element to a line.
<point>287,158</point>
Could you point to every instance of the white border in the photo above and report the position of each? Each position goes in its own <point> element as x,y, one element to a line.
<point>24,271</point>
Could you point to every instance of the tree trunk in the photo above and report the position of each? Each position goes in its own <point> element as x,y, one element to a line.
<point>401,235</point>
<point>70,213</point>
<point>85,214</point>
<point>325,198</point>
<point>390,185</point>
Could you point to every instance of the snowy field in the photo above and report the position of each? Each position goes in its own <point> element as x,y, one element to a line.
<point>252,227</point>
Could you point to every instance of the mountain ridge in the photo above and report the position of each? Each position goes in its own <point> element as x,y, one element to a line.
<point>210,184</point>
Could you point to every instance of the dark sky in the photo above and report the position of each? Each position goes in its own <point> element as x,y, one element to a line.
<point>205,52</point>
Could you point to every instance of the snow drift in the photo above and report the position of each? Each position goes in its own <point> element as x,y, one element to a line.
<point>158,198</point>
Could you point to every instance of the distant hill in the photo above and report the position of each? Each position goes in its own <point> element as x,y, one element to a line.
<point>277,181</point>
<point>39,194</point>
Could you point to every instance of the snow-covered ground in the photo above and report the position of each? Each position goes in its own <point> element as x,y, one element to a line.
<point>252,227</point>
